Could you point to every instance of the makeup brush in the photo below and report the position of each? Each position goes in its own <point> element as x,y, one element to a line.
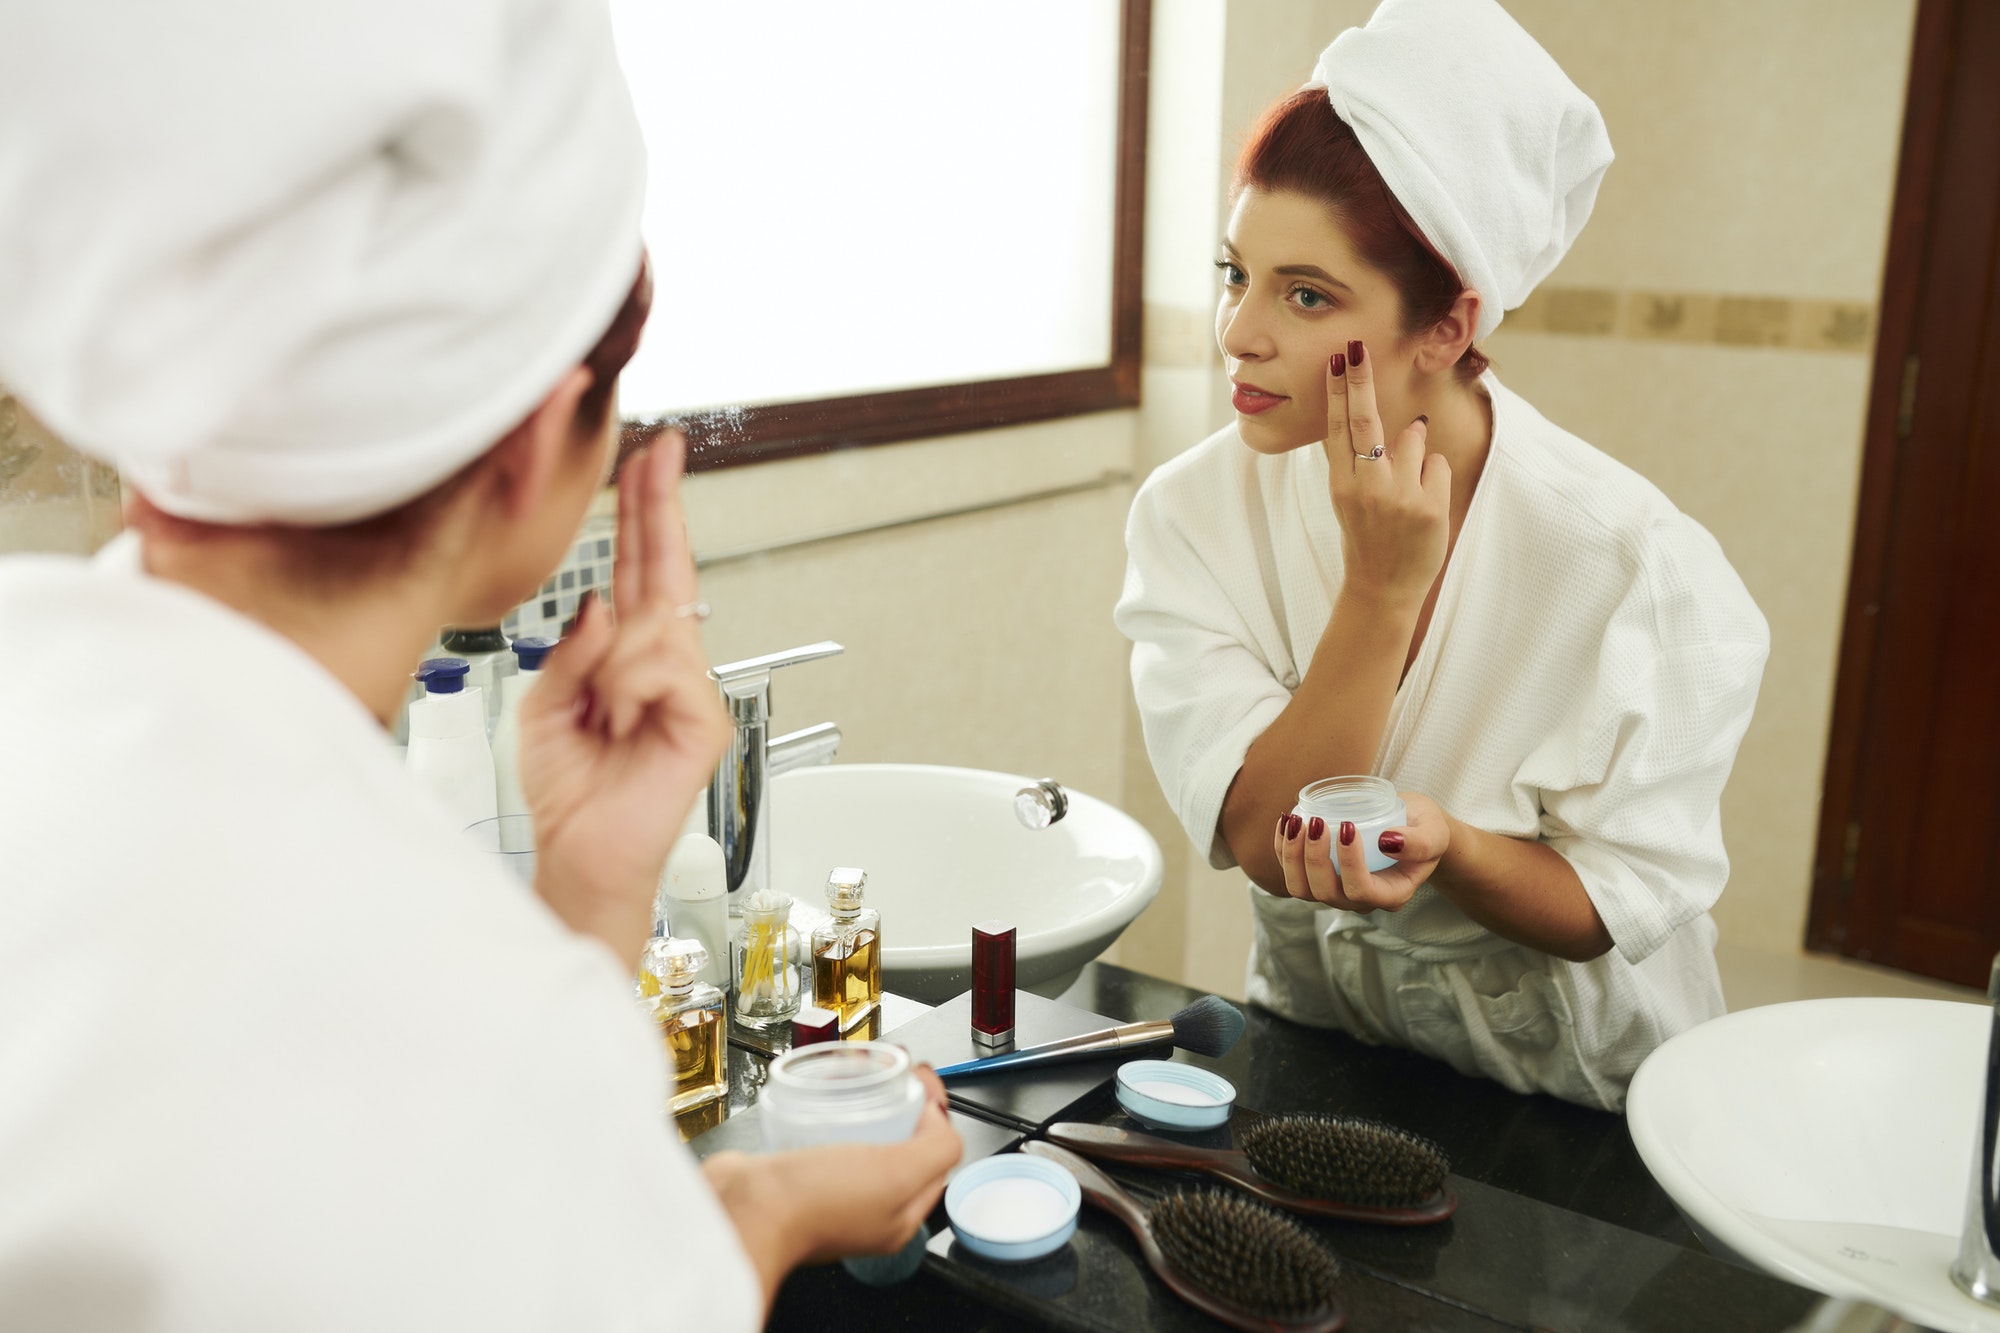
<point>1209,1026</point>
<point>1327,1166</point>
<point>1234,1260</point>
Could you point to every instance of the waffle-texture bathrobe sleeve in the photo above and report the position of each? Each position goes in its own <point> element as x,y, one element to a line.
<point>1630,783</point>
<point>1205,689</point>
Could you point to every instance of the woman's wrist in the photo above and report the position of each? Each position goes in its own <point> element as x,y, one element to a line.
<point>615,908</point>
<point>1460,848</point>
<point>1383,601</point>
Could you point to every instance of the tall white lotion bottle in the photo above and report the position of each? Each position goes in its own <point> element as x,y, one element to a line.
<point>529,654</point>
<point>448,750</point>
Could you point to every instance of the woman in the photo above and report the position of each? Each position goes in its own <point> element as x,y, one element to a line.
<point>1390,564</point>
<point>279,1049</point>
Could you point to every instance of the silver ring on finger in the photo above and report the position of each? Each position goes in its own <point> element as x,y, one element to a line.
<point>1371,455</point>
<point>693,611</point>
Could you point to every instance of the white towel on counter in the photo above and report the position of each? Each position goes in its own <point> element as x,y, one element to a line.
<point>1482,138</point>
<point>299,262</point>
<point>279,1049</point>
<point>1588,673</point>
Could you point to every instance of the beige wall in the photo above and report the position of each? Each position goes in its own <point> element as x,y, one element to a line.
<point>1756,157</point>
<point>972,593</point>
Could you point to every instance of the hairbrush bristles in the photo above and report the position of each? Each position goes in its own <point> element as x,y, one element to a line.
<point>1246,1254</point>
<point>1345,1159</point>
<point>1209,1026</point>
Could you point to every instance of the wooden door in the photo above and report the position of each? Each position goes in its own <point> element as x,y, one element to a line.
<point>1907,871</point>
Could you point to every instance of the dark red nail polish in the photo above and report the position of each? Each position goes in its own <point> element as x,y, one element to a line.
<point>1356,353</point>
<point>1316,830</point>
<point>1424,419</point>
<point>1339,364</point>
<point>1284,822</point>
<point>1390,842</point>
<point>1346,833</point>
<point>1292,826</point>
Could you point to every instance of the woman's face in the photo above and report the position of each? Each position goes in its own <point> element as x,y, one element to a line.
<point>1294,292</point>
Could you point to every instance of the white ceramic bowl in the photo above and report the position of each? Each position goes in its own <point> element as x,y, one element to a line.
<point>943,849</point>
<point>1826,1141</point>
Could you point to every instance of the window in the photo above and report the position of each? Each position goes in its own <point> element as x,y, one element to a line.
<point>875,220</point>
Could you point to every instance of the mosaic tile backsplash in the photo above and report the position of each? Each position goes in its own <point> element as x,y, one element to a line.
<point>587,566</point>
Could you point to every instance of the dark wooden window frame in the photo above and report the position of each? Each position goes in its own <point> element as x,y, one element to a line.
<point>738,436</point>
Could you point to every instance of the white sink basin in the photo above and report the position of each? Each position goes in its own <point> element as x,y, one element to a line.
<point>943,850</point>
<point>1829,1142</point>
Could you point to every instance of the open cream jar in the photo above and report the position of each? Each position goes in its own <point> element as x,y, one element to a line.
<point>1370,803</point>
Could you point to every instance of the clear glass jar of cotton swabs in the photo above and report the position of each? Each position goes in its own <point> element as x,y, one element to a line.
<point>765,980</point>
<point>1371,804</point>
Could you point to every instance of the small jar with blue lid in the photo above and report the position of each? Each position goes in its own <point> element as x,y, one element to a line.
<point>1371,804</point>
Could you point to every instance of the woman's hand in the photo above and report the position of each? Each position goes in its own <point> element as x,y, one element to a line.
<point>625,727</point>
<point>1308,850</point>
<point>1393,499</point>
<point>818,1204</point>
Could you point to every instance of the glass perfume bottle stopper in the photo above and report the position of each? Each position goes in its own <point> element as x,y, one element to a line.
<point>844,888</point>
<point>681,961</point>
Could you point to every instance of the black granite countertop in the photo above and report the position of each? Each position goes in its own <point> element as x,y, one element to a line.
<point>1561,1226</point>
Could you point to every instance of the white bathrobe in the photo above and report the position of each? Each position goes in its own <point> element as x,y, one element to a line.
<point>1586,678</point>
<point>278,1049</point>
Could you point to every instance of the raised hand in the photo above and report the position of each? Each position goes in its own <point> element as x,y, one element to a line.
<point>625,727</point>
<point>1392,497</point>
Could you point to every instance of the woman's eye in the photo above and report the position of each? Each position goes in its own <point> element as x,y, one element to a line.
<point>1232,276</point>
<point>1308,299</point>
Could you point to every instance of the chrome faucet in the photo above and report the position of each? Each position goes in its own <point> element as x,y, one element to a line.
<point>1977,1271</point>
<point>737,814</point>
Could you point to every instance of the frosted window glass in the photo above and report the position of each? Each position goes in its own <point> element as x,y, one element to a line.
<point>872,194</point>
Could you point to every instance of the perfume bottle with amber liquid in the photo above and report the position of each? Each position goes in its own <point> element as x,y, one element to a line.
<point>690,1015</point>
<point>847,952</point>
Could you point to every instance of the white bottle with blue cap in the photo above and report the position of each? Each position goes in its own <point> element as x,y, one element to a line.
<point>529,654</point>
<point>448,751</point>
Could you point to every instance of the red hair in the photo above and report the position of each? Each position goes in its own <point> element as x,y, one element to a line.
<point>1302,147</point>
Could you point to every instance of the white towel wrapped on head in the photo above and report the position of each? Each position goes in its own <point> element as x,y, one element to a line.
<point>1482,138</point>
<point>300,263</point>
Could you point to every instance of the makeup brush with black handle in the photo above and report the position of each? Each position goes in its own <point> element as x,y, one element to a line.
<point>1210,1026</point>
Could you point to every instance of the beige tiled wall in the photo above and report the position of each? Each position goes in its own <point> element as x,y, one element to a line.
<point>972,594</point>
<point>1756,162</point>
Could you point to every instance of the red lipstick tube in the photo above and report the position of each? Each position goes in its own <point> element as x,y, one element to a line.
<point>993,984</point>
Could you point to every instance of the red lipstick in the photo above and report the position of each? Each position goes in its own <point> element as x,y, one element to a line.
<point>1250,400</point>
